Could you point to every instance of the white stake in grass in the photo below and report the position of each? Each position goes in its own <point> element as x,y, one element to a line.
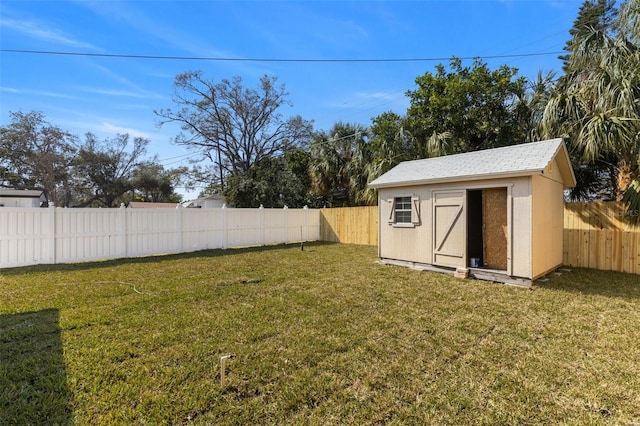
<point>223,368</point>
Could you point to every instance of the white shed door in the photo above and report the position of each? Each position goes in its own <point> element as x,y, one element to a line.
<point>449,228</point>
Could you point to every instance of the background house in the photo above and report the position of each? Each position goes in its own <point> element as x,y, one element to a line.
<point>214,201</point>
<point>23,198</point>
<point>495,214</point>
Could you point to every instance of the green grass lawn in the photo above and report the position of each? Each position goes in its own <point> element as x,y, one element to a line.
<point>321,336</point>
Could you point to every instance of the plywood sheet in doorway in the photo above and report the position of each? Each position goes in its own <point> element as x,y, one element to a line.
<point>494,206</point>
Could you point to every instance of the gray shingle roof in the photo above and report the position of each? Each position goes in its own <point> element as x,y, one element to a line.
<point>516,160</point>
<point>20,193</point>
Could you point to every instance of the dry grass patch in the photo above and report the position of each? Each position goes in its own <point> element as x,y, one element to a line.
<point>324,335</point>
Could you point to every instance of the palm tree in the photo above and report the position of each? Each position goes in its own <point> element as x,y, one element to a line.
<point>531,105</point>
<point>334,163</point>
<point>595,105</point>
<point>390,144</point>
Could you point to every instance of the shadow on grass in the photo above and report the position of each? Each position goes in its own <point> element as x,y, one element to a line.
<point>33,378</point>
<point>308,246</point>
<point>594,282</point>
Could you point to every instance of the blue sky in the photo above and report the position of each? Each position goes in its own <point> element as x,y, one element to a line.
<point>106,95</point>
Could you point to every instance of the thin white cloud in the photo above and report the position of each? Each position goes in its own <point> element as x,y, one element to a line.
<point>107,125</point>
<point>138,19</point>
<point>365,99</point>
<point>29,92</point>
<point>170,35</point>
<point>131,89</point>
<point>100,126</point>
<point>343,33</point>
<point>114,92</point>
<point>376,96</point>
<point>41,32</point>
<point>113,129</point>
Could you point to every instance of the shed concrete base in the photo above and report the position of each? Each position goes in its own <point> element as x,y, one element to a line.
<point>477,273</point>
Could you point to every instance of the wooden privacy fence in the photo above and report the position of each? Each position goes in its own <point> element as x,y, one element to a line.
<point>596,234</point>
<point>31,236</point>
<point>350,225</point>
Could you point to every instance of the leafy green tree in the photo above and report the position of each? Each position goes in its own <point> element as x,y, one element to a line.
<point>297,160</point>
<point>104,170</point>
<point>269,183</point>
<point>37,154</point>
<point>151,182</point>
<point>462,109</point>
<point>233,126</point>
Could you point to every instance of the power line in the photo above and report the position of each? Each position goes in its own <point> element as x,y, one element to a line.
<point>299,60</point>
<point>178,158</point>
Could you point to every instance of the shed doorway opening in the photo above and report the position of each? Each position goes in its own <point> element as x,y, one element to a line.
<point>487,229</point>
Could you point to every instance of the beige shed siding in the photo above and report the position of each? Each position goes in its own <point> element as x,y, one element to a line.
<point>415,244</point>
<point>412,243</point>
<point>521,225</point>
<point>552,172</point>
<point>548,218</point>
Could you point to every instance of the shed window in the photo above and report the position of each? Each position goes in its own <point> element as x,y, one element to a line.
<point>402,210</point>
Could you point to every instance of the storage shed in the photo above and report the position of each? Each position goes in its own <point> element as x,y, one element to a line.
<point>23,198</point>
<point>495,214</point>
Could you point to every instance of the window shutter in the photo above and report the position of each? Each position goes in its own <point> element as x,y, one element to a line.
<point>392,210</point>
<point>415,210</point>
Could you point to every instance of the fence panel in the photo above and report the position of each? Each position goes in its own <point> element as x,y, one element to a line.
<point>243,227</point>
<point>26,234</point>
<point>152,231</point>
<point>84,234</point>
<point>271,225</point>
<point>350,225</point>
<point>597,235</point>
<point>30,236</point>
<point>202,229</point>
<point>294,225</point>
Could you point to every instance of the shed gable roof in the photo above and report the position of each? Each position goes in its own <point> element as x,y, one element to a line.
<point>21,193</point>
<point>509,161</point>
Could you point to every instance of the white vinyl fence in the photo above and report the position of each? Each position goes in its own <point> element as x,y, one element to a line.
<point>31,236</point>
